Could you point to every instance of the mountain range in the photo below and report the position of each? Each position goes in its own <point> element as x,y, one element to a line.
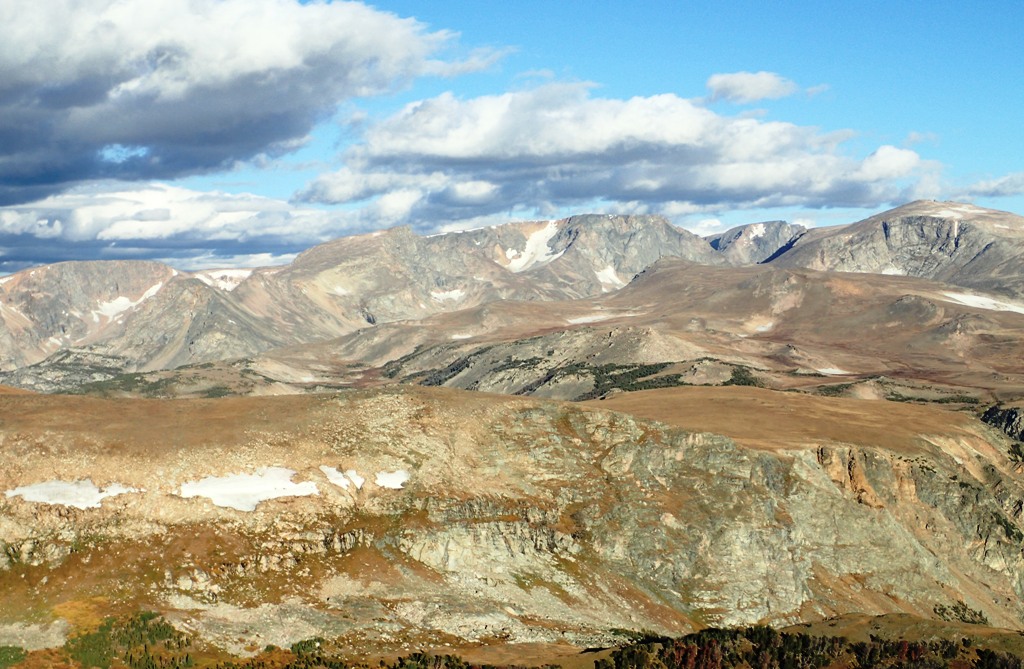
<point>368,300</point>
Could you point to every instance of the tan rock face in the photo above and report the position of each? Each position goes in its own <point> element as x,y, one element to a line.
<point>520,519</point>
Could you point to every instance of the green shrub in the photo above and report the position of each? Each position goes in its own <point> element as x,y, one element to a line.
<point>10,655</point>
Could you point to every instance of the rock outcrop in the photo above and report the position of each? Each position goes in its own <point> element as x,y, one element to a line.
<point>1008,419</point>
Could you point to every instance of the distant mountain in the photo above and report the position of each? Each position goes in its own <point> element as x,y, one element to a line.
<point>75,323</point>
<point>680,323</point>
<point>951,242</point>
<point>756,242</point>
<point>151,316</point>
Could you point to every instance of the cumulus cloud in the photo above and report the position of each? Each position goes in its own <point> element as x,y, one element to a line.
<point>557,147</point>
<point>185,228</point>
<point>140,90</point>
<point>743,87</point>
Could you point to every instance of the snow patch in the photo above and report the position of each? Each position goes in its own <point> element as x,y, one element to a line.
<point>356,479</point>
<point>833,371</point>
<point>594,318</point>
<point>462,336</point>
<point>982,302</point>
<point>223,279</point>
<point>335,477</point>
<point>537,251</point>
<point>121,304</point>
<point>755,231</point>
<point>453,295</point>
<point>609,279</point>
<point>394,480</point>
<point>341,291</point>
<point>81,494</point>
<point>765,327</point>
<point>244,491</point>
<point>956,211</point>
<point>892,270</point>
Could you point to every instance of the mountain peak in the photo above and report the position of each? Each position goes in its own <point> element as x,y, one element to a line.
<point>948,209</point>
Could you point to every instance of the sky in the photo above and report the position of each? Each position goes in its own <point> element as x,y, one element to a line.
<point>226,133</point>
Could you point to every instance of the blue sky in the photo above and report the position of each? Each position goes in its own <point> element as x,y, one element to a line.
<point>235,132</point>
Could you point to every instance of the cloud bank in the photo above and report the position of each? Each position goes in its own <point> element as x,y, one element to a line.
<point>185,228</point>
<point>1005,186</point>
<point>93,89</point>
<point>558,146</point>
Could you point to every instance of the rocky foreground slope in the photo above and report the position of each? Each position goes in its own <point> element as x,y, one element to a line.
<point>416,516</point>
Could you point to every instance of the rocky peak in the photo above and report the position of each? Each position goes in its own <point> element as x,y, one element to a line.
<point>756,242</point>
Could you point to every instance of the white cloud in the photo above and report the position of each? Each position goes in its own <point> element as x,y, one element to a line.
<point>707,226</point>
<point>1004,186</point>
<point>109,89</point>
<point>558,148</point>
<point>745,87</point>
<point>889,162</point>
<point>186,228</point>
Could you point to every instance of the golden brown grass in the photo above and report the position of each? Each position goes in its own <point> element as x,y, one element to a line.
<point>765,418</point>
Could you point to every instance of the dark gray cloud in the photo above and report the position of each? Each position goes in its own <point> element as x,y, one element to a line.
<point>98,89</point>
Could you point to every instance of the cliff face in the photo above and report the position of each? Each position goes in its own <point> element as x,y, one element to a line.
<point>479,517</point>
<point>1009,420</point>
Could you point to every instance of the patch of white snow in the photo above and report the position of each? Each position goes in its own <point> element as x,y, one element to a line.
<point>356,479</point>
<point>536,252</point>
<point>335,477</point>
<point>453,295</point>
<point>121,304</point>
<point>394,480</point>
<point>80,494</point>
<point>833,371</point>
<point>462,336</point>
<point>955,212</point>
<point>755,231</point>
<point>609,279</point>
<point>224,279</point>
<point>983,302</point>
<point>244,491</point>
<point>588,319</point>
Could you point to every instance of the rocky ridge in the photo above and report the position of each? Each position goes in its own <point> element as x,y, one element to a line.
<point>955,243</point>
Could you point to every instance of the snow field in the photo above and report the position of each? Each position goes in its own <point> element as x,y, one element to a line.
<point>536,252</point>
<point>224,279</point>
<point>83,494</point>
<point>242,492</point>
<point>982,302</point>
